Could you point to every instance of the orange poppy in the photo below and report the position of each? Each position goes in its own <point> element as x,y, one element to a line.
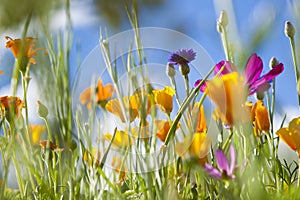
<point>291,135</point>
<point>16,44</point>
<point>102,93</point>
<point>164,98</point>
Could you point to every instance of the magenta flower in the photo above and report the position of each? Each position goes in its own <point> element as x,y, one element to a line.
<point>253,71</point>
<point>252,74</point>
<point>225,170</point>
<point>182,56</point>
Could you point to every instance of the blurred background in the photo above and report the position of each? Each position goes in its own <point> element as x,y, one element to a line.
<point>254,27</point>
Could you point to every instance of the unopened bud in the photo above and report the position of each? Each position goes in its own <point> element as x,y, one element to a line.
<point>219,27</point>
<point>273,62</point>
<point>223,18</point>
<point>42,110</point>
<point>259,95</point>
<point>184,69</point>
<point>170,70</point>
<point>289,29</point>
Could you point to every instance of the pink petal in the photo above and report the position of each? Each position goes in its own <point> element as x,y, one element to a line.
<point>222,161</point>
<point>228,67</point>
<point>232,160</point>
<point>253,69</point>
<point>212,171</point>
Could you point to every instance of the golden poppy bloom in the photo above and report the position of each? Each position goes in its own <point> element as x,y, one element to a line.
<point>163,127</point>
<point>11,104</point>
<point>15,46</point>
<point>260,117</point>
<point>102,93</point>
<point>36,132</point>
<point>114,106</point>
<point>228,94</point>
<point>92,157</point>
<point>291,135</point>
<point>141,100</point>
<point>197,145</point>
<point>122,139</point>
<point>164,98</point>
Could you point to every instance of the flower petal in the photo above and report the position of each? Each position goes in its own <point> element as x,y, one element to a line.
<point>253,69</point>
<point>227,68</point>
<point>212,171</point>
<point>222,161</point>
<point>267,77</point>
<point>232,160</point>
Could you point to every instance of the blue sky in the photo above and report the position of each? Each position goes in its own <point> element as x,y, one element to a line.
<point>197,19</point>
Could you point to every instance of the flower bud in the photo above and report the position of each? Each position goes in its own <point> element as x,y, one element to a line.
<point>223,19</point>
<point>42,110</point>
<point>184,69</point>
<point>273,62</point>
<point>289,29</point>
<point>259,95</point>
<point>170,70</point>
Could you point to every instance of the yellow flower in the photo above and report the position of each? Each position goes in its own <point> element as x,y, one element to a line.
<point>163,127</point>
<point>260,117</point>
<point>36,132</point>
<point>164,98</point>
<point>29,51</point>
<point>198,115</point>
<point>197,145</point>
<point>122,139</point>
<point>291,135</point>
<point>141,101</point>
<point>115,108</point>
<point>92,157</point>
<point>102,93</point>
<point>228,94</point>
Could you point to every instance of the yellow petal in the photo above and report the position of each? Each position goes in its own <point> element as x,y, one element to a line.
<point>164,98</point>
<point>288,138</point>
<point>200,145</point>
<point>122,139</point>
<point>261,117</point>
<point>228,94</point>
<point>36,132</point>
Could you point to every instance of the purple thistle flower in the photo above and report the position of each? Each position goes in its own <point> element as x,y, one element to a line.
<point>225,170</point>
<point>182,56</point>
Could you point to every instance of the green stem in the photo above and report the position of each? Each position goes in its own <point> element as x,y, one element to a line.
<point>225,145</point>
<point>224,39</point>
<point>19,175</point>
<point>184,105</point>
<point>292,43</point>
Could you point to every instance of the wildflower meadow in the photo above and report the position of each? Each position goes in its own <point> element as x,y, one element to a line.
<point>149,114</point>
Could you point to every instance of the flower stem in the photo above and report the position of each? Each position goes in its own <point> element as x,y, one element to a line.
<point>184,105</point>
<point>293,48</point>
